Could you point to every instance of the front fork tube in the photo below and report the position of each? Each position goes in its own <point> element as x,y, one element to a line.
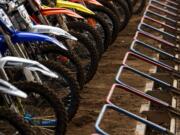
<point>17,106</point>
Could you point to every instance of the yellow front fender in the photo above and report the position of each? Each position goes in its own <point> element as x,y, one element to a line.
<point>72,5</point>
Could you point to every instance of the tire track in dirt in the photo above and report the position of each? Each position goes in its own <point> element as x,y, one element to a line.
<point>94,94</point>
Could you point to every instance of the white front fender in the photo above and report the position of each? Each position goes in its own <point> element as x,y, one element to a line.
<point>21,63</point>
<point>45,29</point>
<point>7,88</point>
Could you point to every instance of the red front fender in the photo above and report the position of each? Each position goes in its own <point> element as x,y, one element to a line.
<point>95,2</point>
<point>56,11</point>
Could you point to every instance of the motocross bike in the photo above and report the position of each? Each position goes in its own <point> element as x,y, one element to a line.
<point>22,21</point>
<point>10,121</point>
<point>30,109</point>
<point>10,37</point>
<point>83,47</point>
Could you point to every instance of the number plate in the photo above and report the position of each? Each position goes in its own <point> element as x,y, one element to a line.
<point>24,14</point>
<point>5,19</point>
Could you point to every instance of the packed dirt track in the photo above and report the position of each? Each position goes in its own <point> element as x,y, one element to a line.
<point>94,94</point>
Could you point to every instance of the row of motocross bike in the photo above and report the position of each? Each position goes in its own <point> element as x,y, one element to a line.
<point>49,50</point>
<point>156,43</point>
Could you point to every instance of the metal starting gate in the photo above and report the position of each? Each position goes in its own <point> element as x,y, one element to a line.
<point>159,32</point>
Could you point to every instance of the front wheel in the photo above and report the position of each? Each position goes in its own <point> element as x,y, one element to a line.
<point>124,11</point>
<point>90,32</point>
<point>111,19</point>
<point>43,109</point>
<point>12,123</point>
<point>88,55</point>
<point>138,6</point>
<point>101,26</point>
<point>66,58</point>
<point>65,86</point>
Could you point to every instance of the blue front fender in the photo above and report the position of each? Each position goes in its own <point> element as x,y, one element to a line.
<point>19,37</point>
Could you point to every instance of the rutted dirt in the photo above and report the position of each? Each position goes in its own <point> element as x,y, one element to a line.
<point>94,94</point>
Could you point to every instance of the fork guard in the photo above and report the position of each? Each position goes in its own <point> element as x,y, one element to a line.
<point>71,5</point>
<point>46,11</point>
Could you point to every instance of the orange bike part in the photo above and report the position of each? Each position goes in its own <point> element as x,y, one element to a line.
<point>56,11</point>
<point>94,2</point>
<point>91,22</point>
<point>35,19</point>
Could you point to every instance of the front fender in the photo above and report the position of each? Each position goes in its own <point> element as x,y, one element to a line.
<point>94,2</point>
<point>71,5</point>
<point>21,63</point>
<point>9,89</point>
<point>20,37</point>
<point>46,11</point>
<point>45,29</point>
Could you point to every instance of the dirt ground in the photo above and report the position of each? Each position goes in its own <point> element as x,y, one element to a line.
<point>94,94</point>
